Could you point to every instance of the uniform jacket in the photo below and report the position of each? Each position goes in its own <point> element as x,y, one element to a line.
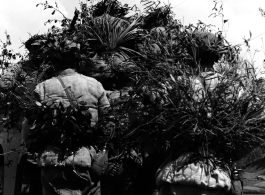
<point>83,88</point>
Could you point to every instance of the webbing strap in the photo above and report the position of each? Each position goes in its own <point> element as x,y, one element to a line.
<point>67,94</point>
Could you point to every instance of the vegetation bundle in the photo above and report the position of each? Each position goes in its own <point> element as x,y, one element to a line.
<point>174,111</point>
<point>66,128</point>
<point>181,87</point>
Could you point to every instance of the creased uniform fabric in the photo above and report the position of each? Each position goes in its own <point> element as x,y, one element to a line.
<point>52,157</point>
<point>207,81</point>
<point>85,89</point>
<point>176,174</point>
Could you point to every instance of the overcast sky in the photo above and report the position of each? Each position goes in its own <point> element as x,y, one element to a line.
<point>21,18</point>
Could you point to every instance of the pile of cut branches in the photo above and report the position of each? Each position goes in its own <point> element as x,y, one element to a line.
<point>171,100</point>
<point>66,128</point>
<point>214,112</point>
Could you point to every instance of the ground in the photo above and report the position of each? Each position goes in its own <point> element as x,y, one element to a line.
<point>254,177</point>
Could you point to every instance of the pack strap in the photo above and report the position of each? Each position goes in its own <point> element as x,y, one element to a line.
<point>67,93</point>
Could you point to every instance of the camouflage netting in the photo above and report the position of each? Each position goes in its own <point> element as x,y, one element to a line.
<point>167,91</point>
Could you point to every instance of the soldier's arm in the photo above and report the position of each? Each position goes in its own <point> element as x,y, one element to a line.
<point>103,101</point>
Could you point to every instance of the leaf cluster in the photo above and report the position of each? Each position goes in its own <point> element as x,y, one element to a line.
<point>172,112</point>
<point>7,56</point>
<point>111,7</point>
<point>156,15</point>
<point>64,22</point>
<point>67,128</point>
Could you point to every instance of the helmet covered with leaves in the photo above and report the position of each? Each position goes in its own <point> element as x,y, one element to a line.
<point>36,40</point>
<point>58,49</point>
<point>35,45</point>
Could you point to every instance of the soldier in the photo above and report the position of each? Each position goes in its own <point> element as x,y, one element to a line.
<point>30,72</point>
<point>19,78</point>
<point>70,179</point>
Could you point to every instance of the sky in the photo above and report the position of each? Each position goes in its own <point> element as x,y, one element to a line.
<point>22,18</point>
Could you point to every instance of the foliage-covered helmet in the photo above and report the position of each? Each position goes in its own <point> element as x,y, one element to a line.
<point>37,40</point>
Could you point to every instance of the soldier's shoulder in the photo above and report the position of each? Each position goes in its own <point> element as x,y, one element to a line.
<point>90,79</point>
<point>50,80</point>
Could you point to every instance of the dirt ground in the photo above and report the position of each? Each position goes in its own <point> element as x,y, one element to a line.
<point>254,177</point>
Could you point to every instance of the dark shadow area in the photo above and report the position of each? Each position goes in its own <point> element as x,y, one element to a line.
<point>28,178</point>
<point>2,162</point>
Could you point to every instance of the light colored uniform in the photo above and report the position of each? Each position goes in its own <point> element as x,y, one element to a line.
<point>180,177</point>
<point>73,177</point>
<point>85,89</point>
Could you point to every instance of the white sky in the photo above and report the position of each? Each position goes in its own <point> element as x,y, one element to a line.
<point>20,19</point>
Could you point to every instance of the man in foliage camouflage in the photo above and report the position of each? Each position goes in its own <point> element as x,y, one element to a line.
<point>74,177</point>
<point>28,72</point>
<point>17,79</point>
